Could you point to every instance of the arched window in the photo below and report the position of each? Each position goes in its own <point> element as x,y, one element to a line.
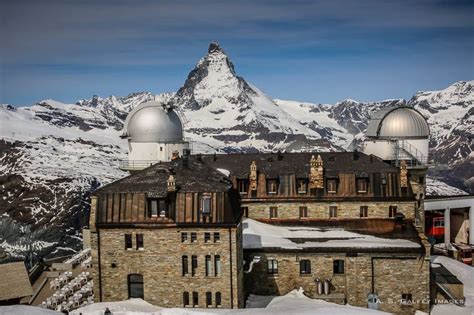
<point>185,299</point>
<point>135,286</point>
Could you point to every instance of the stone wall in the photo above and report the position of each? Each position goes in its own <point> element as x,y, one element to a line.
<point>160,264</point>
<point>320,210</point>
<point>394,275</point>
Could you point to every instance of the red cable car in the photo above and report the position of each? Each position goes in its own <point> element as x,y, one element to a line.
<point>435,226</point>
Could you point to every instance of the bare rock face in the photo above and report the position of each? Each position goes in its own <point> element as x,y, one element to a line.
<point>53,155</point>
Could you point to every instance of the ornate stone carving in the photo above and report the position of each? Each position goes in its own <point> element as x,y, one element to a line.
<point>316,178</point>
<point>253,176</point>
<point>403,174</point>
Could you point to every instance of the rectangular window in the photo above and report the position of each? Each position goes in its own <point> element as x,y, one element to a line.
<point>242,186</point>
<point>392,211</point>
<point>206,205</point>
<point>218,299</point>
<point>407,299</point>
<point>245,210</point>
<point>305,267</point>
<point>207,237</point>
<point>364,211</point>
<point>438,222</point>
<point>195,299</point>
<point>184,237</point>
<point>273,212</point>
<point>128,242</point>
<point>139,241</point>
<point>208,265</point>
<point>333,211</point>
<point>272,186</point>
<point>163,208</point>
<point>303,212</point>
<point>208,299</point>
<point>361,185</point>
<point>217,265</point>
<point>331,186</point>
<point>154,208</point>
<point>194,265</point>
<point>193,237</point>
<point>185,299</point>
<point>184,265</point>
<point>338,266</point>
<point>272,266</point>
<point>301,186</point>
<point>217,237</point>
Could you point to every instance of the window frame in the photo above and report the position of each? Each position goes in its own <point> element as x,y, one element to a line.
<point>195,299</point>
<point>140,243</point>
<point>392,211</point>
<point>273,212</point>
<point>218,299</point>
<point>332,211</point>
<point>305,267</point>
<point>336,267</point>
<point>184,265</point>
<point>186,299</point>
<point>365,185</point>
<point>364,211</point>
<point>217,237</point>
<point>301,183</point>
<point>329,183</point>
<point>206,200</point>
<point>207,237</point>
<point>217,265</point>
<point>208,298</point>
<point>272,186</point>
<point>194,265</point>
<point>140,284</point>
<point>303,212</point>
<point>242,186</point>
<point>193,237</point>
<point>184,237</point>
<point>272,266</point>
<point>128,241</point>
<point>208,265</point>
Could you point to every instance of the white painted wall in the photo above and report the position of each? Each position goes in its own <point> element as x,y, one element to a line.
<point>152,151</point>
<point>385,149</point>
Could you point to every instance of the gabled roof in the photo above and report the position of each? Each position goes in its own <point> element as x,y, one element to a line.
<point>275,164</point>
<point>14,281</point>
<point>195,177</point>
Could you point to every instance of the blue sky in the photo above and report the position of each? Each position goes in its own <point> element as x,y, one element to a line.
<point>316,51</point>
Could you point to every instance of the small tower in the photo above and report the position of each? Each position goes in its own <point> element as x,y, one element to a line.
<point>316,178</point>
<point>253,176</point>
<point>155,134</point>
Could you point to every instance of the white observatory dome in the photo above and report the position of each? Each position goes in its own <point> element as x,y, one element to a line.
<point>153,122</point>
<point>400,122</point>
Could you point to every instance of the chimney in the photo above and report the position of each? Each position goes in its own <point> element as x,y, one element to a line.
<point>171,183</point>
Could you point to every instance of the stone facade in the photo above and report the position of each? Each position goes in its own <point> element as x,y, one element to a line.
<point>394,274</point>
<point>320,210</point>
<point>160,263</point>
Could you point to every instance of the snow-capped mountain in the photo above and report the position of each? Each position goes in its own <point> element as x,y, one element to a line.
<point>52,155</point>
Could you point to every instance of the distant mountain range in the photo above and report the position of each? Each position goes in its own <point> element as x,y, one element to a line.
<point>52,155</point>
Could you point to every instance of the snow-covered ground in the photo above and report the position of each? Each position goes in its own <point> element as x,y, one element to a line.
<point>465,274</point>
<point>259,235</point>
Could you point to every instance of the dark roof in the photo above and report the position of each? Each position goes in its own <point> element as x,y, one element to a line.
<point>275,164</point>
<point>15,282</point>
<point>196,177</point>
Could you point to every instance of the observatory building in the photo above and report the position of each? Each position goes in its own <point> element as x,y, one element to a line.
<point>155,134</point>
<point>398,134</point>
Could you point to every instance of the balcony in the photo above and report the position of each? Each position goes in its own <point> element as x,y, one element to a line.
<point>127,165</point>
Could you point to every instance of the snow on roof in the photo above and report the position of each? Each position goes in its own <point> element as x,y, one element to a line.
<point>260,235</point>
<point>465,274</point>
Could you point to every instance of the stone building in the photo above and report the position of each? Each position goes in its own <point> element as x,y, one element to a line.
<point>170,234</point>
<point>207,230</point>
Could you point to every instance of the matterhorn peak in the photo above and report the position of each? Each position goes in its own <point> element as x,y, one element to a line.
<point>214,47</point>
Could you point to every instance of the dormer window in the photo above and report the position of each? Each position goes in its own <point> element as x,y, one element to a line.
<point>272,186</point>
<point>158,207</point>
<point>206,205</point>
<point>242,186</point>
<point>301,186</point>
<point>361,185</point>
<point>331,185</point>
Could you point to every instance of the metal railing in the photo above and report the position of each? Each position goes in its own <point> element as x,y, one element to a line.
<point>128,165</point>
<point>408,153</point>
